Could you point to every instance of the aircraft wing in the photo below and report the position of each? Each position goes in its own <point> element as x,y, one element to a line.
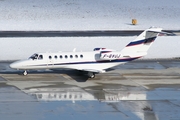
<point>94,70</point>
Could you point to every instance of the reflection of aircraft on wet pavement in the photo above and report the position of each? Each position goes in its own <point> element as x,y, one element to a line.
<point>78,94</point>
<point>119,99</point>
<point>93,62</point>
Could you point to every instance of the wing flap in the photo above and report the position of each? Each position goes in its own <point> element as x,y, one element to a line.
<point>94,70</point>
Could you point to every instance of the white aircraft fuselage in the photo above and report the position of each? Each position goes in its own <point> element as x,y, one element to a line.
<point>96,61</point>
<point>71,60</point>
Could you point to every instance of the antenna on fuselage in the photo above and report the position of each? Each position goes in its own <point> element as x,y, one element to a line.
<point>49,51</point>
<point>74,50</point>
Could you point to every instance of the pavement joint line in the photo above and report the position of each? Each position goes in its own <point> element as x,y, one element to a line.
<point>162,65</point>
<point>66,76</point>
<point>138,84</point>
<point>4,78</point>
<point>173,103</point>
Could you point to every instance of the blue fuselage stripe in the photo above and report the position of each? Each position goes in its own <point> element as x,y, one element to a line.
<point>148,40</point>
<point>91,62</point>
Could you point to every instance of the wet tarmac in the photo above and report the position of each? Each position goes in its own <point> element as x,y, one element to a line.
<point>139,90</point>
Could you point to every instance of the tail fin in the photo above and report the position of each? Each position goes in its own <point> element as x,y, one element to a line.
<point>141,44</point>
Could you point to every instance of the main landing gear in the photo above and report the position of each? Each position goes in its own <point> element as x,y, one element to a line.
<point>88,74</point>
<point>91,75</point>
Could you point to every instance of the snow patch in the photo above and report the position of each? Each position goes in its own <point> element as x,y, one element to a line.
<point>22,48</point>
<point>88,15</point>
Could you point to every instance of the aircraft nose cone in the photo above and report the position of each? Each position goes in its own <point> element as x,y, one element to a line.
<point>15,65</point>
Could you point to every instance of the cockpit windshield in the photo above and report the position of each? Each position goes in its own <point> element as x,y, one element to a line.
<point>34,56</point>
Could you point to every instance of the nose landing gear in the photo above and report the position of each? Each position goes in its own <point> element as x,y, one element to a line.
<point>25,73</point>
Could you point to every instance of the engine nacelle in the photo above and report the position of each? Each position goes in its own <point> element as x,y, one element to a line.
<point>104,55</point>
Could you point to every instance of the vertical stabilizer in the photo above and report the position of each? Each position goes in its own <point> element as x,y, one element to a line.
<point>142,43</point>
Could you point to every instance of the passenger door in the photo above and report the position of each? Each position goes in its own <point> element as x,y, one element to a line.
<point>50,61</point>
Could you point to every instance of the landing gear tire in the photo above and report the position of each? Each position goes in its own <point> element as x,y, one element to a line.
<point>25,73</point>
<point>91,75</point>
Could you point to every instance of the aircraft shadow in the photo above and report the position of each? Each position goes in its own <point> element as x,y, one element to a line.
<point>74,74</point>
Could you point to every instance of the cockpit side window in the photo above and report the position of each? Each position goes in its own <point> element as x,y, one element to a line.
<point>34,56</point>
<point>40,57</point>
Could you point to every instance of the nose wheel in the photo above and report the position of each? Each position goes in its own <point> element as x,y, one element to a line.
<point>25,73</point>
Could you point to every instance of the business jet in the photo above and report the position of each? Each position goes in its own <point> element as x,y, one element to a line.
<point>93,62</point>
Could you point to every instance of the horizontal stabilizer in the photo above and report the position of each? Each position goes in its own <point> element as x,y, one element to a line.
<point>161,32</point>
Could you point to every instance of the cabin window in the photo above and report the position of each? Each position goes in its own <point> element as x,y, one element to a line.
<point>40,57</point>
<point>55,56</point>
<point>71,56</point>
<point>50,57</point>
<point>61,56</point>
<point>76,56</point>
<point>81,56</point>
<point>66,56</point>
